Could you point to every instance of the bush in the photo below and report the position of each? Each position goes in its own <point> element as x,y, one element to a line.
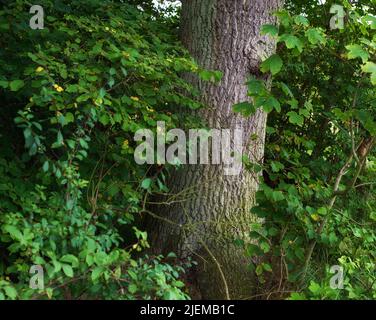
<point>73,95</point>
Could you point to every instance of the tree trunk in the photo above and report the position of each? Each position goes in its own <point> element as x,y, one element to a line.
<point>211,209</point>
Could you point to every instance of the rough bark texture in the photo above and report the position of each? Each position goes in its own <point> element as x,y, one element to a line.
<point>214,209</point>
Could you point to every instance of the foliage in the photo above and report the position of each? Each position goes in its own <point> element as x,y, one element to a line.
<point>72,197</point>
<point>321,129</point>
<point>73,96</point>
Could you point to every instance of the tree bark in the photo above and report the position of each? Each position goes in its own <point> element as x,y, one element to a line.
<point>211,209</point>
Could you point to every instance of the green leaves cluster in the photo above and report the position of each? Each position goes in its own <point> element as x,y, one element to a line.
<point>71,194</point>
<point>325,87</point>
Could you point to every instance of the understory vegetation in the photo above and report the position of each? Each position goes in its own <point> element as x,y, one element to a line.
<point>72,198</point>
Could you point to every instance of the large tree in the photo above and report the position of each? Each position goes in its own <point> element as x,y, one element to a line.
<point>210,210</point>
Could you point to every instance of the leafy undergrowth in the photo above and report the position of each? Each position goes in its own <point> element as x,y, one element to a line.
<point>317,198</point>
<point>73,95</point>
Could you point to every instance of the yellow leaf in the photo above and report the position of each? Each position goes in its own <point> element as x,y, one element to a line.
<point>125,144</point>
<point>58,88</point>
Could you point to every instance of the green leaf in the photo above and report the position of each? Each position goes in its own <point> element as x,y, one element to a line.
<point>267,267</point>
<point>133,275</point>
<point>146,183</point>
<point>83,97</point>
<point>104,119</point>
<point>295,118</point>
<point>276,166</point>
<point>370,20</point>
<point>171,255</point>
<point>69,258</point>
<point>264,246</point>
<point>73,88</point>
<point>59,139</point>
<point>179,284</point>
<point>283,17</point>
<point>4,84</point>
<point>271,103</point>
<point>256,87</point>
<point>370,67</point>
<point>315,36</point>
<point>259,270</point>
<point>10,292</point>
<point>96,273</point>
<point>301,20</point>
<point>245,108</point>
<point>292,41</point>
<point>69,117</point>
<point>102,91</point>
<point>83,144</point>
<point>314,287</point>
<point>356,51</point>
<point>277,196</point>
<point>269,29</point>
<point>57,265</point>
<point>46,166</point>
<point>297,296</point>
<point>16,85</point>
<point>273,231</point>
<point>68,270</point>
<point>286,90</point>
<point>260,101</point>
<point>273,64</point>
<point>132,288</point>
<point>13,231</point>
<point>366,119</point>
<point>213,76</point>
<point>71,143</point>
<point>253,250</point>
<point>61,120</point>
